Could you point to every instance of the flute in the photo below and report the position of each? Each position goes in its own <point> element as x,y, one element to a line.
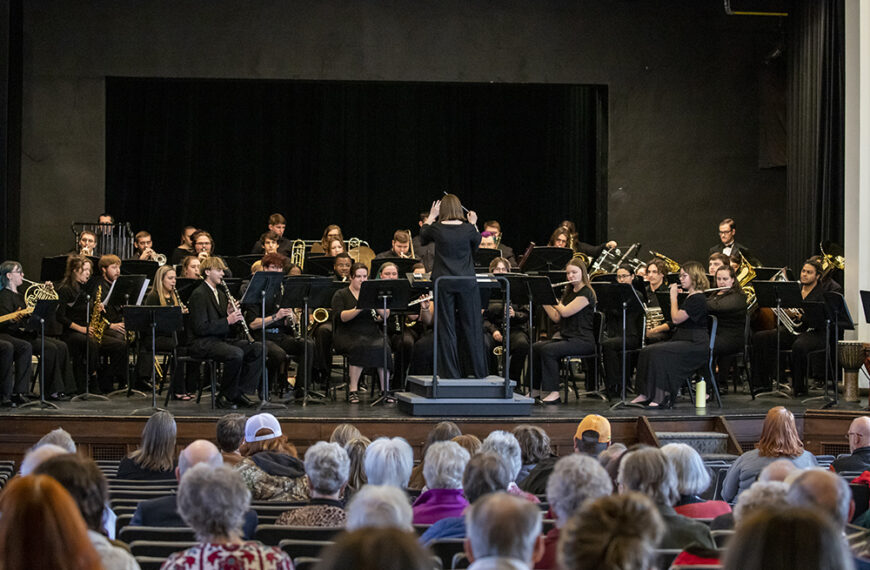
<point>564,283</point>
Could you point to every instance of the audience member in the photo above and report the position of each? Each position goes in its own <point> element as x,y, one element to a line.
<point>779,470</point>
<point>444,464</point>
<point>389,461</point>
<point>37,455</point>
<point>648,471</point>
<point>693,478</point>
<point>163,511</point>
<point>343,433</point>
<point>616,532</point>
<point>469,442</point>
<point>505,445</point>
<point>761,495</point>
<point>230,436</point>
<point>59,437</point>
<point>534,445</point>
<point>824,491</point>
<point>779,439</point>
<point>379,506</point>
<point>503,532</point>
<point>41,527</point>
<point>610,458</point>
<point>327,466</point>
<point>859,448</point>
<point>356,451</point>
<point>87,485</point>
<point>787,539</point>
<point>486,472</point>
<point>576,479</point>
<point>271,468</point>
<point>443,431</point>
<point>375,549</point>
<point>155,458</point>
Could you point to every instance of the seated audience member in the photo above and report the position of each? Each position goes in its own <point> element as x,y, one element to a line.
<point>617,532</point>
<point>787,539</point>
<point>445,463</point>
<point>271,468</point>
<point>534,445</point>
<point>776,472</point>
<point>388,461</point>
<point>648,471</point>
<point>155,458</point>
<point>575,480</point>
<point>825,492</point>
<point>506,446</point>
<point>59,437</point>
<point>610,458</point>
<point>858,458</point>
<point>485,473</point>
<point>443,431</point>
<point>503,532</point>
<point>343,433</point>
<point>41,527</point>
<point>213,501</point>
<point>327,466</point>
<point>37,455</point>
<point>375,549</point>
<point>356,451</point>
<point>230,436</point>
<point>163,511</point>
<point>379,506</point>
<point>692,480</point>
<point>88,487</point>
<point>779,440</point>
<point>469,442</point>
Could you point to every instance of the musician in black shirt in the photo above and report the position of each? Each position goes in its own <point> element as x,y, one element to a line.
<point>114,341</point>
<point>611,346</point>
<point>494,326</point>
<point>277,225</point>
<point>73,315</point>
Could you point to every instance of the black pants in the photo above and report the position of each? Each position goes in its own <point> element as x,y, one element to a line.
<point>164,344</point>
<point>54,362</point>
<point>322,334</point>
<point>241,360</point>
<point>113,346</point>
<point>422,359</point>
<point>764,357</point>
<point>278,346</point>
<point>725,355</point>
<point>77,344</point>
<point>519,353</point>
<point>402,345</point>
<point>611,349</point>
<point>459,304</point>
<point>548,353</point>
<point>14,379</point>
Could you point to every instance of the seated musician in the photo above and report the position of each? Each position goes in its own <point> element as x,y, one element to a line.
<point>401,338</point>
<point>656,271</point>
<point>357,333</point>
<point>283,332</point>
<point>331,232</point>
<point>87,244</point>
<point>828,279</point>
<point>425,253</point>
<point>341,267</point>
<point>203,244</point>
<point>277,224</point>
<point>729,307</point>
<point>494,228</point>
<point>727,244</point>
<point>574,315</point>
<point>611,346</point>
<point>400,245</point>
<point>487,241</point>
<point>73,315</point>
<point>808,335</point>
<point>735,259</point>
<point>641,271</point>
<point>292,270</point>
<point>662,368</point>
<point>56,355</point>
<point>716,261</point>
<point>190,267</point>
<point>114,337</point>
<point>334,247</point>
<point>144,247</point>
<point>322,332</point>
<point>494,326</point>
<point>185,248</point>
<point>211,320</point>
<point>105,219</point>
<point>271,243</point>
<point>572,241</point>
<point>15,350</point>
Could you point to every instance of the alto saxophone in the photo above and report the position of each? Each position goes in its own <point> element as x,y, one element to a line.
<point>235,305</point>
<point>98,323</point>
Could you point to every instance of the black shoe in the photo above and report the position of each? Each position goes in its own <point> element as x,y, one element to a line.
<point>222,402</point>
<point>58,397</point>
<point>19,399</point>
<point>243,401</point>
<point>7,403</point>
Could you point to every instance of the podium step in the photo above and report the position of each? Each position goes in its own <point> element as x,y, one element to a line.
<point>417,405</point>
<point>491,387</point>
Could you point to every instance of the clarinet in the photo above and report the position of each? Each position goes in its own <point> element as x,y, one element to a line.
<point>235,305</point>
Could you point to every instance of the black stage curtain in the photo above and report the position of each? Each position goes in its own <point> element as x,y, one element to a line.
<point>224,154</point>
<point>815,193</point>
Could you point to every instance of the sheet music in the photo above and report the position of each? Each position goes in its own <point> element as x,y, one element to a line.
<point>142,291</point>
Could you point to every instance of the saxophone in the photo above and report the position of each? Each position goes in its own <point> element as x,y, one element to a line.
<point>98,323</point>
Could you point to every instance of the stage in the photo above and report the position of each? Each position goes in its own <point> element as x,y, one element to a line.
<point>109,430</point>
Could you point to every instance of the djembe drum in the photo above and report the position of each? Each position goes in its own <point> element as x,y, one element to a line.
<point>851,354</point>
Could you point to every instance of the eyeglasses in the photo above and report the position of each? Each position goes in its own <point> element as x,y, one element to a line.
<point>725,233</point>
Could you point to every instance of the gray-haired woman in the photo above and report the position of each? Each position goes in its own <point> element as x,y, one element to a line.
<point>327,466</point>
<point>445,464</point>
<point>213,502</point>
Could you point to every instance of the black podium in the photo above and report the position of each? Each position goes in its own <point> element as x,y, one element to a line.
<point>263,285</point>
<point>384,294</point>
<point>151,320</point>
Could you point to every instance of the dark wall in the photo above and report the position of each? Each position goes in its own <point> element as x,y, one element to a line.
<point>681,77</point>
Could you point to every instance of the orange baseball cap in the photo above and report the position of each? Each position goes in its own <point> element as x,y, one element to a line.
<point>596,423</point>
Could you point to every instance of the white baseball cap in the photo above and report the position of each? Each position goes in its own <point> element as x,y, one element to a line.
<point>258,422</point>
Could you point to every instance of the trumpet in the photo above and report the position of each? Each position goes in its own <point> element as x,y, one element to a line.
<point>202,255</point>
<point>158,257</point>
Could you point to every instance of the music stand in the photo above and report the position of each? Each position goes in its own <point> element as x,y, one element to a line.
<point>43,309</point>
<point>139,267</point>
<point>53,268</point>
<point>836,312</point>
<point>322,265</point>
<point>384,294</point>
<point>672,278</point>
<point>483,257</point>
<point>152,318</point>
<point>239,267</point>
<point>604,278</point>
<point>125,289</point>
<point>320,296</point>
<point>546,258</point>
<point>184,287</point>
<point>530,289</point>
<point>664,299</point>
<point>404,264</point>
<point>263,284</point>
<point>296,296</point>
<point>613,298</point>
<point>768,273</point>
<point>87,395</point>
<point>778,295</point>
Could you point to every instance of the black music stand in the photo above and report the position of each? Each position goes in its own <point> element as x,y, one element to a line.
<point>296,296</point>
<point>664,299</point>
<point>322,265</point>
<point>127,290</point>
<point>238,267</point>
<point>836,313</point>
<point>604,278</point>
<point>404,264</point>
<point>139,267</point>
<point>87,395</point>
<point>43,309</point>
<point>53,268</point>
<point>614,298</point>
<point>384,294</point>
<point>152,319</point>
<point>768,273</point>
<point>184,288</point>
<point>546,258</point>
<point>483,257</point>
<point>672,278</point>
<point>530,289</point>
<point>778,295</point>
<point>264,284</point>
<point>320,296</point>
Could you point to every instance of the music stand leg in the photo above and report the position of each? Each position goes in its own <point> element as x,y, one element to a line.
<point>385,396</point>
<point>87,395</point>
<point>622,403</point>
<point>308,396</point>
<point>42,403</point>
<point>831,401</point>
<point>777,389</point>
<point>153,409</point>
<point>265,404</point>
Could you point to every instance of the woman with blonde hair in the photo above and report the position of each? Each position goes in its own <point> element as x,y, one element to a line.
<point>663,367</point>
<point>779,440</point>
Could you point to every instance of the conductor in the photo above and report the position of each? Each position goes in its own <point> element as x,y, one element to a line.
<point>456,240</point>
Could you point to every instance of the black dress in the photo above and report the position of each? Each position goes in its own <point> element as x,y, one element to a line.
<point>455,245</point>
<point>665,365</point>
<point>730,309</point>
<point>360,338</point>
